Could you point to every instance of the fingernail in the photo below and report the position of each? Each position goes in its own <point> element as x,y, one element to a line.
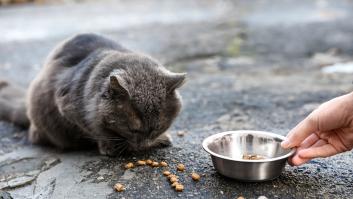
<point>285,144</point>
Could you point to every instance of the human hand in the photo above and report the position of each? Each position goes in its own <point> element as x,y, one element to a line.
<point>327,131</point>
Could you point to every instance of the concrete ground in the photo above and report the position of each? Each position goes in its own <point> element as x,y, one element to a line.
<point>250,64</point>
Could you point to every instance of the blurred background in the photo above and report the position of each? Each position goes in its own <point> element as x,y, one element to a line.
<point>178,30</point>
<point>256,64</point>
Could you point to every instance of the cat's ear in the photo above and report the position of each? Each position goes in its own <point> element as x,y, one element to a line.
<point>118,87</point>
<point>175,80</point>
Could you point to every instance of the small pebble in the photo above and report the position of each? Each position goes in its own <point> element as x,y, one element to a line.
<point>100,178</point>
<point>262,197</point>
<point>149,162</point>
<point>119,187</point>
<point>179,187</point>
<point>181,167</point>
<point>195,176</point>
<point>166,173</point>
<point>163,164</point>
<point>141,162</point>
<point>129,165</point>
<point>181,133</point>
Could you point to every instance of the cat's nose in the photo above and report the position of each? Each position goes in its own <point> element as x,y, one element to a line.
<point>137,143</point>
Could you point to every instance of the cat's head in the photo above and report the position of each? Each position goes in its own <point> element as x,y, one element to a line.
<point>140,100</point>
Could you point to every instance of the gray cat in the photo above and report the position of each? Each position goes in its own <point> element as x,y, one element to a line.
<point>92,89</point>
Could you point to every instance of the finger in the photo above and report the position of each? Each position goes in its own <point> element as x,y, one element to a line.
<point>306,127</point>
<point>290,162</point>
<point>290,159</point>
<point>325,134</point>
<point>309,141</point>
<point>325,150</point>
<point>296,160</point>
<point>318,143</point>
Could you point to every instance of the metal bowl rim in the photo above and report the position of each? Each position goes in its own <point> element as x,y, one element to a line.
<point>212,137</point>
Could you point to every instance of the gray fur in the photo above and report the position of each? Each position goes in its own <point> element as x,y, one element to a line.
<point>91,89</point>
<point>12,104</point>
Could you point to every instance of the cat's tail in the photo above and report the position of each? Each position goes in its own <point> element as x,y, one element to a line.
<point>12,104</point>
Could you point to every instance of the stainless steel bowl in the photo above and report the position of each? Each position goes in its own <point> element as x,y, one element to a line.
<point>227,150</point>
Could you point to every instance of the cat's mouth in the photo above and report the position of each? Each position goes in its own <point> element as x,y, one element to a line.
<point>134,143</point>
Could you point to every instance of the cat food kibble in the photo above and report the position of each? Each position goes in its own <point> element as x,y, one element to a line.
<point>181,167</point>
<point>129,165</point>
<point>240,197</point>
<point>171,176</point>
<point>173,179</point>
<point>253,157</point>
<point>141,162</point>
<point>179,187</point>
<point>119,187</point>
<point>195,176</point>
<point>166,173</point>
<point>155,164</point>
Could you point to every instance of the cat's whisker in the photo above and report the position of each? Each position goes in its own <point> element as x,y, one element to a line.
<point>108,139</point>
<point>124,147</point>
<point>105,138</point>
<point>118,146</point>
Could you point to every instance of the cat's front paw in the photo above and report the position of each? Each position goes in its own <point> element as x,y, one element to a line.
<point>164,140</point>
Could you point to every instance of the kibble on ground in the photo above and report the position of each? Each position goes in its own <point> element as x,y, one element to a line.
<point>119,187</point>
<point>180,167</point>
<point>195,176</point>
<point>173,179</point>
<point>179,187</point>
<point>166,173</point>
<point>129,165</point>
<point>149,162</point>
<point>155,164</point>
<point>141,162</point>
<point>171,176</point>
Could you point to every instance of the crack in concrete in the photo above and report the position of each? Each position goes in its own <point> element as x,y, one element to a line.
<point>23,171</point>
